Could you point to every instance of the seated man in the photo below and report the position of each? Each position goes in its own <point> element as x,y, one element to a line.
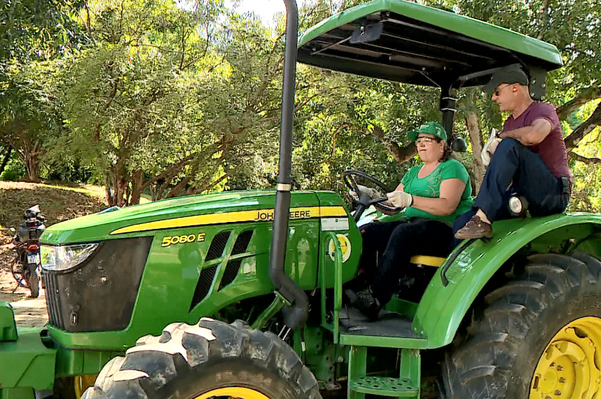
<point>530,159</point>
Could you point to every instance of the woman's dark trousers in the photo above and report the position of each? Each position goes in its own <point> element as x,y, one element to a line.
<point>395,243</point>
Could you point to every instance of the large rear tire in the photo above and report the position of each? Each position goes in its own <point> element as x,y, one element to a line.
<point>211,359</point>
<point>539,336</point>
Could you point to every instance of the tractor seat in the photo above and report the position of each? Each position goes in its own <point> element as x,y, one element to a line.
<point>426,260</point>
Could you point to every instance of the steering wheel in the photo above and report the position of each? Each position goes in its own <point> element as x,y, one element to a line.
<point>365,201</point>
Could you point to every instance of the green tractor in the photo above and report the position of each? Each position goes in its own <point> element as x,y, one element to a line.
<point>240,294</point>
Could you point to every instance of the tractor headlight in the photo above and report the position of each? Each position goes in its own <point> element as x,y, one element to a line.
<point>65,257</point>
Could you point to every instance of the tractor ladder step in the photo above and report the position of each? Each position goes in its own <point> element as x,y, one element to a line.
<point>386,386</point>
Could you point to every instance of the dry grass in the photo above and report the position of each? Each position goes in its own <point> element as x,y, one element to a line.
<point>57,202</point>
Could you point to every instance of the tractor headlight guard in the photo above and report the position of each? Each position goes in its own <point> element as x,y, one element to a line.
<point>65,257</point>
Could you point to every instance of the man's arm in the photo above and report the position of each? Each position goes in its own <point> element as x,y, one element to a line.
<point>530,135</point>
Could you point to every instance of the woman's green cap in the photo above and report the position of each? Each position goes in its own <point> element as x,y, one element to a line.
<point>433,128</point>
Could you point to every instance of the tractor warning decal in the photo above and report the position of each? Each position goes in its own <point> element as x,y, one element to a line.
<point>345,246</point>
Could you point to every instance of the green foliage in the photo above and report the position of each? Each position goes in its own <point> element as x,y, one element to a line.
<point>33,30</point>
<point>586,196</point>
<point>15,170</point>
<point>31,114</point>
<point>145,96</point>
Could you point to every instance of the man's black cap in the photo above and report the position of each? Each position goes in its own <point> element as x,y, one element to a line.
<point>509,74</point>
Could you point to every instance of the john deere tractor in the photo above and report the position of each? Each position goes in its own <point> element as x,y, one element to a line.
<point>240,294</point>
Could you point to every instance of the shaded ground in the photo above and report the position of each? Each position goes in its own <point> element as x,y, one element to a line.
<point>58,203</point>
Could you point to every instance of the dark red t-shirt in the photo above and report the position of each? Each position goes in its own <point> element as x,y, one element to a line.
<point>552,150</point>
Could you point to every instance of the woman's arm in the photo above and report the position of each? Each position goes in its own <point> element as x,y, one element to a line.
<point>451,191</point>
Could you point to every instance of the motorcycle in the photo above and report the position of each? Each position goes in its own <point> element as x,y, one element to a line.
<point>26,267</point>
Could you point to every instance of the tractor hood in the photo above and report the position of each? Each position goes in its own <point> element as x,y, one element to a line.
<point>210,209</point>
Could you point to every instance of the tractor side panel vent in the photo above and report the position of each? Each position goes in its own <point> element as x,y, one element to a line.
<point>242,241</point>
<point>218,245</point>
<point>231,271</point>
<point>204,285</point>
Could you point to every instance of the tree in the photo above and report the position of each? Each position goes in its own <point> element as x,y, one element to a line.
<point>33,34</point>
<point>31,113</point>
<point>169,100</point>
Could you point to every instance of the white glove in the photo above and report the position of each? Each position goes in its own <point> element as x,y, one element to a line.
<point>371,192</point>
<point>400,199</point>
<point>490,147</point>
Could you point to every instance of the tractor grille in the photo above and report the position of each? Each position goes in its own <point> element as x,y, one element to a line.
<point>233,266</point>
<point>55,317</point>
<point>204,285</point>
<point>216,251</point>
<point>99,294</point>
<point>231,271</point>
<point>242,241</point>
<point>218,245</point>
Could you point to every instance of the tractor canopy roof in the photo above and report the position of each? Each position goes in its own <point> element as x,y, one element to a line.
<point>411,43</point>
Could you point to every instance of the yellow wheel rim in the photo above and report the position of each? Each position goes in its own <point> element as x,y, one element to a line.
<point>233,392</point>
<point>570,365</point>
<point>83,382</point>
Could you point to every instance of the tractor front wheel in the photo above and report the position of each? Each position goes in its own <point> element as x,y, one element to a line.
<point>537,337</point>
<point>207,360</point>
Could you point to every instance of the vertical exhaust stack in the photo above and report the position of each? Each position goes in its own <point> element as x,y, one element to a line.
<point>296,314</point>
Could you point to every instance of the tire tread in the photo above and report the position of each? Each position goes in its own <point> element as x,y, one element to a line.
<point>481,359</point>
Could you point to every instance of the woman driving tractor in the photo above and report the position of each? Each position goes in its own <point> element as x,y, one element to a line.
<point>433,194</point>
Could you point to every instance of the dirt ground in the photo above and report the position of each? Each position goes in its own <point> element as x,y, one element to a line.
<point>29,312</point>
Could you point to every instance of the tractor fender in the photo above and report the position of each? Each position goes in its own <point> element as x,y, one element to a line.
<point>442,308</point>
<point>25,362</point>
<point>8,327</point>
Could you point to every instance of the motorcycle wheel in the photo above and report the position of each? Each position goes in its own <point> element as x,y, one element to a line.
<point>34,282</point>
<point>18,273</point>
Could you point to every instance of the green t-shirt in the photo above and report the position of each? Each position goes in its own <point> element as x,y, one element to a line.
<point>429,187</point>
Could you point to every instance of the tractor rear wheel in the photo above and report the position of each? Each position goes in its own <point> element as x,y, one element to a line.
<point>539,336</point>
<point>210,359</point>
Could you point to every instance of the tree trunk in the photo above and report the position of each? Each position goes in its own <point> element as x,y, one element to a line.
<point>117,186</point>
<point>401,154</point>
<point>175,191</point>
<point>473,127</point>
<point>585,128</point>
<point>136,187</point>
<point>110,195</point>
<point>32,165</point>
<point>574,104</point>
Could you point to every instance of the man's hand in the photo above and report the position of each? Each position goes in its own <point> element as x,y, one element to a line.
<point>490,147</point>
<point>400,199</point>
<point>371,192</point>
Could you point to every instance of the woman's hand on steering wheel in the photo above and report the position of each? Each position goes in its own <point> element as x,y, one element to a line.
<point>363,190</point>
<point>365,195</point>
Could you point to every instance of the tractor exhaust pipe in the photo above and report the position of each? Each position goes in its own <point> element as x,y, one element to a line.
<point>296,314</point>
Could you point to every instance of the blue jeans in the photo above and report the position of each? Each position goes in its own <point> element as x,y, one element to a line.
<point>516,169</point>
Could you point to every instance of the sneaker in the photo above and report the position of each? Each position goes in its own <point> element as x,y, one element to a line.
<point>367,304</point>
<point>474,228</point>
